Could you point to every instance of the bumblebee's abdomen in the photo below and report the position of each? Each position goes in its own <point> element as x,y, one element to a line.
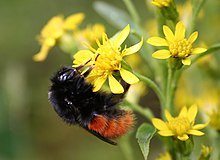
<point>112,127</point>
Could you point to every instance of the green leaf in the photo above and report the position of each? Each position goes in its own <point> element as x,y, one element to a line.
<point>144,134</point>
<point>113,15</point>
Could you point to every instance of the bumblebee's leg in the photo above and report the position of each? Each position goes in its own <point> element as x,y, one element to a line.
<point>100,137</point>
<point>113,99</point>
<point>90,68</point>
<point>125,85</point>
<point>82,65</point>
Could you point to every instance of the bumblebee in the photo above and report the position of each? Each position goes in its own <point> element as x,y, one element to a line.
<point>73,99</point>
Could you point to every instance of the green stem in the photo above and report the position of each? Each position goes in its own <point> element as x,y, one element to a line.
<point>216,145</point>
<point>134,14</point>
<point>132,11</point>
<point>185,157</point>
<point>126,147</point>
<point>146,112</point>
<point>170,90</point>
<point>153,86</point>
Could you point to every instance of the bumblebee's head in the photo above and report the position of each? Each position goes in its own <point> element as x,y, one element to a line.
<point>64,74</point>
<point>60,94</point>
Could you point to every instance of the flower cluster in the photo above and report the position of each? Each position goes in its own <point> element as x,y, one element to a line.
<point>55,28</point>
<point>178,46</point>
<point>107,61</point>
<point>181,126</point>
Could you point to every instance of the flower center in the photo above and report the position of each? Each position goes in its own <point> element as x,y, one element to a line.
<point>179,125</point>
<point>109,59</point>
<point>181,49</point>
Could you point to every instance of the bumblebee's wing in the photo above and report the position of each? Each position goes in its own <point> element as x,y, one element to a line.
<point>101,137</point>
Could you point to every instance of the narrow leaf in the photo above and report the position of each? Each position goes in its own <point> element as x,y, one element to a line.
<point>144,134</point>
<point>112,14</point>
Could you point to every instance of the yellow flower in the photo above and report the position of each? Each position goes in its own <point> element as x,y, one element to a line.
<point>214,120</point>
<point>90,34</point>
<point>179,46</point>
<point>161,3</point>
<point>53,30</point>
<point>180,126</point>
<point>206,152</point>
<point>107,60</point>
<point>164,156</point>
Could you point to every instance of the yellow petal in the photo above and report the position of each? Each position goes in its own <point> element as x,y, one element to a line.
<point>73,21</point>
<point>198,50</point>
<point>192,113</point>
<point>156,4</point>
<point>98,83</point>
<point>168,33</point>
<point>122,36</point>
<point>168,116</point>
<point>157,41</point>
<point>159,124</point>
<point>161,54</point>
<point>133,49</point>
<point>195,132</point>
<point>183,112</point>
<point>114,85</point>
<point>180,31</point>
<point>50,42</point>
<point>82,57</point>
<point>40,56</point>
<point>166,133</point>
<point>186,61</point>
<point>193,37</point>
<point>128,77</point>
<point>199,126</point>
<point>53,27</point>
<point>183,137</point>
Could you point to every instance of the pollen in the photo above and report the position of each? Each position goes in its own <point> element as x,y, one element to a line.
<point>181,48</point>
<point>109,60</point>
<point>179,125</point>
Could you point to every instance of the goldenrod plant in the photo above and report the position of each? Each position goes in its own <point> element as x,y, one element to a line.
<point>168,65</point>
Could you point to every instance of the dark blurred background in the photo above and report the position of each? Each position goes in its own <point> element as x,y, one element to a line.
<point>29,128</point>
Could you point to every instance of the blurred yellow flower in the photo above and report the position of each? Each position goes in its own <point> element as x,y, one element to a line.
<point>53,30</point>
<point>205,152</point>
<point>214,118</point>
<point>164,156</point>
<point>179,46</point>
<point>185,13</point>
<point>90,34</point>
<point>107,60</point>
<point>180,126</point>
<point>161,3</point>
